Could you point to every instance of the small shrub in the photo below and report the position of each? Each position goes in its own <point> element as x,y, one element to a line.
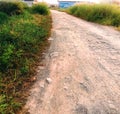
<point>73,9</point>
<point>40,8</point>
<point>116,20</point>
<point>12,8</point>
<point>83,11</point>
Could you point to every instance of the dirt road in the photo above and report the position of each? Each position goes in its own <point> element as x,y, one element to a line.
<point>83,64</point>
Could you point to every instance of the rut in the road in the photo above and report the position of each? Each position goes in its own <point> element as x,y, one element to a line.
<point>83,65</point>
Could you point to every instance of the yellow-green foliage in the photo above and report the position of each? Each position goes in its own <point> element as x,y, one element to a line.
<point>100,13</point>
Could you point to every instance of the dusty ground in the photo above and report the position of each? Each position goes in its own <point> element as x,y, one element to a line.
<point>84,64</point>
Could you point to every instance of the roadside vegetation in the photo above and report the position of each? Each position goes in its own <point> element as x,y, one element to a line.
<point>23,37</point>
<point>100,13</point>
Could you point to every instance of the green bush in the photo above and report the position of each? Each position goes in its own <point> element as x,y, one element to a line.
<point>17,35</point>
<point>100,13</point>
<point>40,8</point>
<point>12,8</point>
<point>3,17</point>
<point>116,19</point>
<point>23,38</point>
<point>73,9</point>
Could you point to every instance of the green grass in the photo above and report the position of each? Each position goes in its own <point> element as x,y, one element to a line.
<point>23,38</point>
<point>40,8</point>
<point>99,13</point>
<point>12,8</point>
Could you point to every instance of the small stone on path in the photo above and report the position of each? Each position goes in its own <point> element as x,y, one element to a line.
<point>41,67</point>
<point>42,86</point>
<point>50,39</point>
<point>48,80</point>
<point>54,54</point>
<point>65,88</point>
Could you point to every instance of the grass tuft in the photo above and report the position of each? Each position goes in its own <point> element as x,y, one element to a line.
<point>40,8</point>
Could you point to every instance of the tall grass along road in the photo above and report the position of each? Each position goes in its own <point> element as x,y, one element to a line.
<point>23,38</point>
<point>81,72</point>
<point>99,13</point>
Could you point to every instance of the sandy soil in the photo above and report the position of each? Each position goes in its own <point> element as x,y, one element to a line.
<point>83,63</point>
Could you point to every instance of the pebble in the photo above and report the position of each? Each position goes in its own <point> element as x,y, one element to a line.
<point>34,79</point>
<point>65,88</point>
<point>76,45</point>
<point>43,53</point>
<point>49,80</point>
<point>41,67</point>
<point>112,106</point>
<point>42,86</point>
<point>50,39</point>
<point>54,54</point>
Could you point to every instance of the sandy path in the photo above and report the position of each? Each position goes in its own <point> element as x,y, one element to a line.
<point>84,64</point>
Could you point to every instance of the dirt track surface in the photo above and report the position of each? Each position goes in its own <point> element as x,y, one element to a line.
<point>84,64</point>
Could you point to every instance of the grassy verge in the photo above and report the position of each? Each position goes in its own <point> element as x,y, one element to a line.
<point>23,37</point>
<point>99,13</point>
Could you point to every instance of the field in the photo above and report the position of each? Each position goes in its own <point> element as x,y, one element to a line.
<point>23,38</point>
